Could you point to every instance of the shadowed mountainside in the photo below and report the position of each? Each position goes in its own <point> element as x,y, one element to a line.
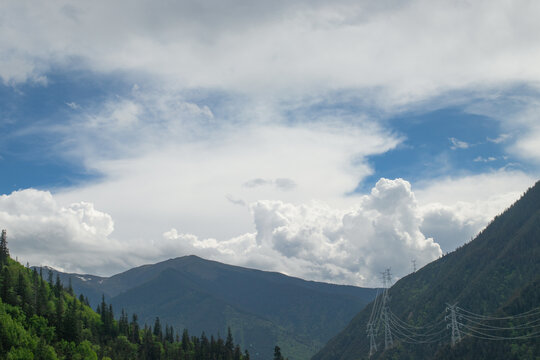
<point>483,276</point>
<point>261,308</point>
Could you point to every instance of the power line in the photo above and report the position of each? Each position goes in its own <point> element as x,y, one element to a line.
<point>461,323</point>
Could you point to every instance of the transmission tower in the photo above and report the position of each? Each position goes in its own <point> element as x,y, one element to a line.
<point>456,335</point>
<point>414,265</point>
<point>372,343</point>
<point>388,341</point>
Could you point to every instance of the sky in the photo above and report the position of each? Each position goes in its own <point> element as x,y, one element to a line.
<point>327,140</point>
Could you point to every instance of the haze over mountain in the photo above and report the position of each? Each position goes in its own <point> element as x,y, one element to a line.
<point>261,308</point>
<point>496,274</point>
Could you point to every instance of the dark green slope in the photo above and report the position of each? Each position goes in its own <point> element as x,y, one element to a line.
<point>473,348</point>
<point>481,276</point>
<point>262,308</point>
<point>188,305</point>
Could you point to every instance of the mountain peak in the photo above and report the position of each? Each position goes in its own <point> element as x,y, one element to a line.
<point>261,308</point>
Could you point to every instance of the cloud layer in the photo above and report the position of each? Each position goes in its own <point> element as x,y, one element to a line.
<point>291,45</point>
<point>311,240</point>
<point>241,129</point>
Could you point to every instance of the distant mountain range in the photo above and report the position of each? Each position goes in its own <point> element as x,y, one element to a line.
<point>496,275</point>
<point>261,308</point>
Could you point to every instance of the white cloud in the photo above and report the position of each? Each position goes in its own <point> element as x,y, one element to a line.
<point>116,115</point>
<point>499,139</point>
<point>527,146</point>
<point>187,182</point>
<point>456,209</point>
<point>179,163</point>
<point>408,50</point>
<point>483,159</point>
<point>73,105</point>
<point>73,237</point>
<point>458,144</point>
<point>519,119</point>
<point>309,239</point>
<point>319,242</point>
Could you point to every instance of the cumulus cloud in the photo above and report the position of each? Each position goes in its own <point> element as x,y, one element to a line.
<point>311,239</point>
<point>452,226</point>
<point>74,237</point>
<point>318,242</point>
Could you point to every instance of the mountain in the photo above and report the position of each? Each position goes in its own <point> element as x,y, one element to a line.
<point>43,320</point>
<point>261,308</point>
<point>496,275</point>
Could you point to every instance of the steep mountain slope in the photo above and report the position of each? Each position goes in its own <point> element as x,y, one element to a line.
<point>472,348</point>
<point>481,276</point>
<point>262,308</point>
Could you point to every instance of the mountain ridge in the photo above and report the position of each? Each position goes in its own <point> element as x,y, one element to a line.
<point>262,308</point>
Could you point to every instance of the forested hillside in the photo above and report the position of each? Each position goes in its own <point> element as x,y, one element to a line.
<point>41,319</point>
<point>261,308</point>
<point>494,282</point>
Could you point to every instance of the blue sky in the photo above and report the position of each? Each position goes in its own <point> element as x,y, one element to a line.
<point>301,137</point>
<point>428,147</point>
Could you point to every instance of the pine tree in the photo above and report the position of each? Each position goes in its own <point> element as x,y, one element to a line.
<point>57,286</point>
<point>7,286</point>
<point>21,290</point>
<point>72,324</point>
<point>70,287</point>
<point>4,251</point>
<point>237,353</point>
<point>169,333</point>
<point>50,278</point>
<point>158,332</point>
<point>185,341</point>
<point>134,331</point>
<point>205,346</point>
<point>41,296</point>
<point>59,316</point>
<point>277,353</point>
<point>123,324</point>
<point>229,345</point>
